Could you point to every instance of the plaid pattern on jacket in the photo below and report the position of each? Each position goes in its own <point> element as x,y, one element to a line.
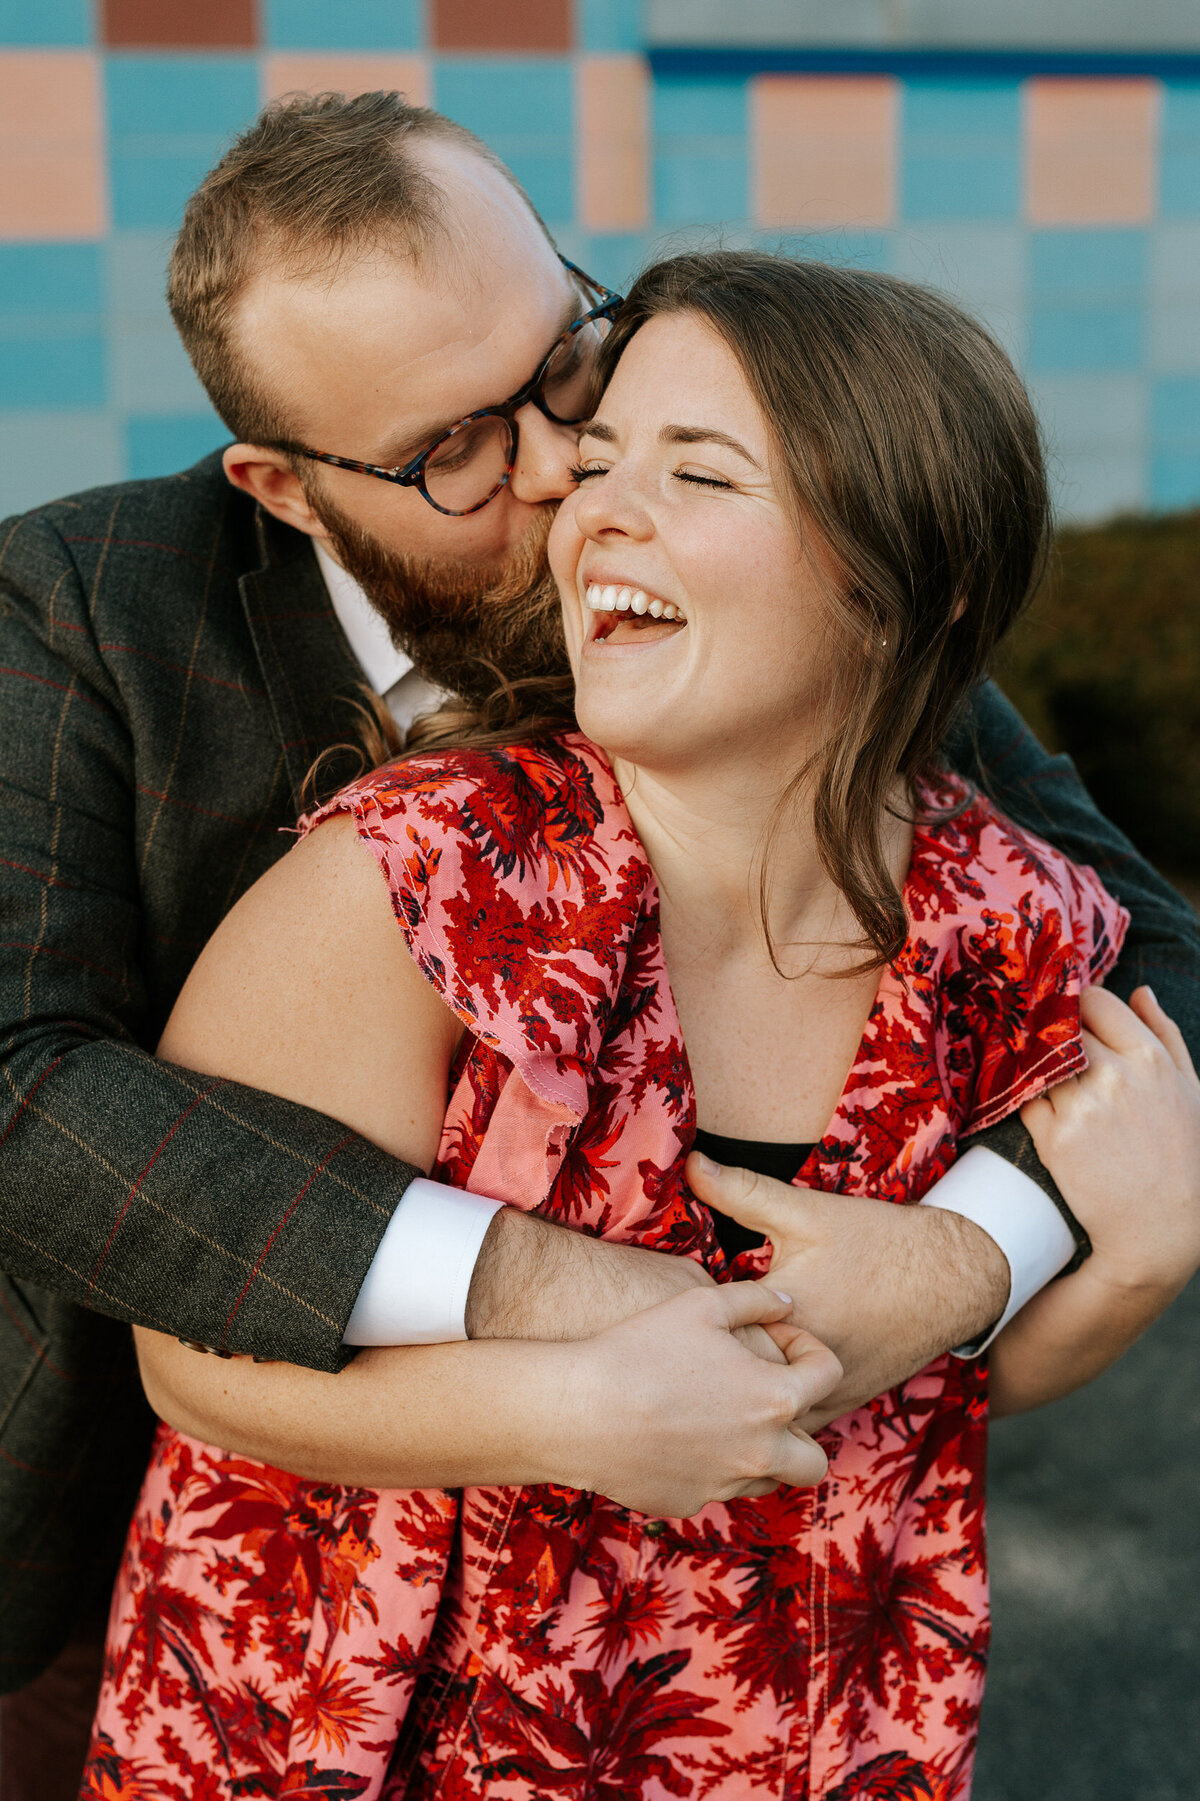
<point>170,667</point>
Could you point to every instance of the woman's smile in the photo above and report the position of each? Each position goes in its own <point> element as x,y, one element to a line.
<point>625,614</point>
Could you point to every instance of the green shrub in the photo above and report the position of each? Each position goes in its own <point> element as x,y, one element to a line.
<point>1106,666</point>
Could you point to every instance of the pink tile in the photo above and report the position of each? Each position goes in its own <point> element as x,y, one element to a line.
<point>613,144</point>
<point>824,150</point>
<point>52,166</point>
<point>1091,150</point>
<point>325,69</point>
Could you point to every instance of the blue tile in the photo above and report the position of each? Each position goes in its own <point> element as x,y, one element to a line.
<point>961,150</point>
<point>1179,158</point>
<point>615,257</point>
<point>1175,413</point>
<point>1088,262</point>
<point>1175,297</point>
<point>344,24</point>
<point>52,371</point>
<point>700,151</point>
<point>160,446</point>
<point>608,24</point>
<point>154,96</point>
<point>1092,338</point>
<point>44,455</point>
<point>150,372</point>
<point>135,274</point>
<point>1088,299</point>
<point>151,185</point>
<point>36,279</point>
<point>523,107</point>
<point>700,108</point>
<point>56,22</point>
<point>1175,481</point>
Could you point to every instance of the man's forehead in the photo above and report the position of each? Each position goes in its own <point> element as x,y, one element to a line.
<point>383,344</point>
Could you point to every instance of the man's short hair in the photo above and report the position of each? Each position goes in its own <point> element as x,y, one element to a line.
<point>314,176</point>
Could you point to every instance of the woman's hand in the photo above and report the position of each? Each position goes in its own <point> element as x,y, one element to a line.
<point>1122,1141</point>
<point>732,1431</point>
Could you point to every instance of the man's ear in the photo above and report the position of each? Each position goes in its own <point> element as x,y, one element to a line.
<point>268,478</point>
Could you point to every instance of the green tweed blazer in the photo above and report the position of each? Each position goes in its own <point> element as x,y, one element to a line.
<point>170,667</point>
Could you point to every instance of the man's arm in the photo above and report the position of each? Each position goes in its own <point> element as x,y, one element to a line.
<point>198,1208</point>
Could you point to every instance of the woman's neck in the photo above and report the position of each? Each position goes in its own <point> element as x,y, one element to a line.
<point>706,832</point>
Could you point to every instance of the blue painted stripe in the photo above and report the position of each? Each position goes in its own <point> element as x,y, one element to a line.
<point>736,61</point>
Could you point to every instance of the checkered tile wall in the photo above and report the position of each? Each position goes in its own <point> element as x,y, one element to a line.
<point>1064,209</point>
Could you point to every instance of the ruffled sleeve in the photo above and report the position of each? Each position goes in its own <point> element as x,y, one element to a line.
<point>516,892</point>
<point>1044,929</point>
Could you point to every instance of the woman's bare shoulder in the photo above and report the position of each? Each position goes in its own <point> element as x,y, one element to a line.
<point>307,989</point>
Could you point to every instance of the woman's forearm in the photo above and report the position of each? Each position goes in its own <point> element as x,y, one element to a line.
<point>1068,1334</point>
<point>417,1416</point>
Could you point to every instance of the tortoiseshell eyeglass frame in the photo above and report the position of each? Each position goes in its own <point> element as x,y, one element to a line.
<point>412,475</point>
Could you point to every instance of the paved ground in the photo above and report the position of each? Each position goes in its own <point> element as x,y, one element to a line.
<point>1094,1690</point>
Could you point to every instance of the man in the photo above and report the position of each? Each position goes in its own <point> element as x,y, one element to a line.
<point>355,283</point>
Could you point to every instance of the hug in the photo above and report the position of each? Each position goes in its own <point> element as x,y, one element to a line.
<point>600,1149</point>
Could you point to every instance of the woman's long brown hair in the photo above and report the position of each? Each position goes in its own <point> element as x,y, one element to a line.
<point>906,444</point>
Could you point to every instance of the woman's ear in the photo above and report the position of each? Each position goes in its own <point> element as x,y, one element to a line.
<point>960,607</point>
<point>268,477</point>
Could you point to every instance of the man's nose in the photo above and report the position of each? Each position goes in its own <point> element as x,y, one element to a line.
<point>546,454</point>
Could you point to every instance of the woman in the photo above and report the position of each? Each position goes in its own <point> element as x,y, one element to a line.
<point>740,900</point>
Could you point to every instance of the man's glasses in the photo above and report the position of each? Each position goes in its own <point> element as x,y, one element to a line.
<point>469,464</point>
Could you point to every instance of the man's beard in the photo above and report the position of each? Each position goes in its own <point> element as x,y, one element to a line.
<point>470,633</point>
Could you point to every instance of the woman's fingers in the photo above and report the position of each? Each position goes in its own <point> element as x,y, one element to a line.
<point>735,1304</point>
<point>1145,1003</point>
<point>1115,1025</point>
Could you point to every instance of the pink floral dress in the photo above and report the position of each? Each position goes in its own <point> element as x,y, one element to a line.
<point>275,1637</point>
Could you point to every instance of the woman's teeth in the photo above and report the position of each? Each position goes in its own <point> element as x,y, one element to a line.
<point>610,599</point>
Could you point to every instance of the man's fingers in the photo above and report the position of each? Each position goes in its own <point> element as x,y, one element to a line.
<point>753,1200</point>
<point>1145,1004</point>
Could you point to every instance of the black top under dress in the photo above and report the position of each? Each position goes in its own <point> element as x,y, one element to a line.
<point>783,1161</point>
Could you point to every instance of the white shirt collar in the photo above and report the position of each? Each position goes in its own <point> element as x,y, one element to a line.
<point>380,661</point>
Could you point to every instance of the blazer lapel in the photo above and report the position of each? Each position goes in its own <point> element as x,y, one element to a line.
<point>311,674</point>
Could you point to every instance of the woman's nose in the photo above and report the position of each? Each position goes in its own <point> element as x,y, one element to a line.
<point>546,454</point>
<point>612,505</point>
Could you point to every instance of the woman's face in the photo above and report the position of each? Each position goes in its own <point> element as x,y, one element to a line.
<point>677,509</point>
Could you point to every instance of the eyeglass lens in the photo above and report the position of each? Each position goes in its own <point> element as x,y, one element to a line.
<point>466,469</point>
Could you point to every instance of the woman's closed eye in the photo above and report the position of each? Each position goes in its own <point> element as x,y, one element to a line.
<point>582,472</point>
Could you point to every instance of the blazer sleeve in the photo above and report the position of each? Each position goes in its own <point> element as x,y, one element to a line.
<point>996,750</point>
<point>131,1186</point>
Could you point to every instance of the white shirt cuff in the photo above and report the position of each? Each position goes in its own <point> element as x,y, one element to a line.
<point>1018,1215</point>
<point>415,1291</point>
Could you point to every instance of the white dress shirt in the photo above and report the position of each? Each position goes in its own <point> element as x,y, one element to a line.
<point>415,1291</point>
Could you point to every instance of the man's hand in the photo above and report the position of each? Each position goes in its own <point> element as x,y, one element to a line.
<point>889,1288</point>
<point>667,1412</point>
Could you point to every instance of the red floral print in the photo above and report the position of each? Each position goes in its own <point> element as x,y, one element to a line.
<point>275,1637</point>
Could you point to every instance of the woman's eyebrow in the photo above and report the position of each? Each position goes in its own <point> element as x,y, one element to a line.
<point>674,434</point>
<point>705,434</point>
